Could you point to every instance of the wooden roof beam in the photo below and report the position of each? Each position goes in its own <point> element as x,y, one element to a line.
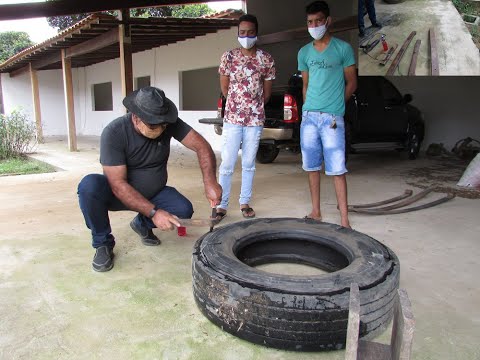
<point>38,64</point>
<point>339,25</point>
<point>96,43</point>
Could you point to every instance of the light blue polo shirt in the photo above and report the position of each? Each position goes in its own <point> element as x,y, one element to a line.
<point>326,80</point>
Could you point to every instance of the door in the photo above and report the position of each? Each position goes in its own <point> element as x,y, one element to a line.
<point>382,114</point>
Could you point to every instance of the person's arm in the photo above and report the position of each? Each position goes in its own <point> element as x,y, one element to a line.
<point>208,165</point>
<point>224,83</point>
<point>267,90</point>
<point>132,199</point>
<point>350,74</point>
<point>305,85</point>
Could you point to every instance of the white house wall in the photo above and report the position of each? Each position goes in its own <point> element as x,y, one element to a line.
<point>449,103</point>
<point>17,94</point>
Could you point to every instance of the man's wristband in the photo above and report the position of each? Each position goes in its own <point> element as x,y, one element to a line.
<point>152,213</point>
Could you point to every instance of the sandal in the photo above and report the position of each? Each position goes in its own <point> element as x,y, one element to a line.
<point>246,211</point>
<point>306,217</point>
<point>220,215</point>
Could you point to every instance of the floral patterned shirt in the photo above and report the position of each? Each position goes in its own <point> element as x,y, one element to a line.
<point>245,92</point>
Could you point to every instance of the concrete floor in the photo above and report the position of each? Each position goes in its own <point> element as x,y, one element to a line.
<point>457,53</point>
<point>54,306</point>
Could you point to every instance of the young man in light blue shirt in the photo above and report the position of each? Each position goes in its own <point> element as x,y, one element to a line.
<point>329,80</point>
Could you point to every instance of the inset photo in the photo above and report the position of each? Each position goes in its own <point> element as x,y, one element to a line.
<point>419,37</point>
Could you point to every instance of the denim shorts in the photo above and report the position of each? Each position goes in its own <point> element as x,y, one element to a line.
<point>320,142</point>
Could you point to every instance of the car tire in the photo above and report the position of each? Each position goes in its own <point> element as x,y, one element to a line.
<point>267,153</point>
<point>413,144</point>
<point>300,313</point>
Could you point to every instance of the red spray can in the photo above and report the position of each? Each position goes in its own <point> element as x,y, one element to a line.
<point>384,43</point>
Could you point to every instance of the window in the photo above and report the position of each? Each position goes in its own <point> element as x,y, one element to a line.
<point>141,82</point>
<point>200,89</point>
<point>102,97</point>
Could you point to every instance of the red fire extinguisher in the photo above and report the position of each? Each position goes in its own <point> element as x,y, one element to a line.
<point>384,43</point>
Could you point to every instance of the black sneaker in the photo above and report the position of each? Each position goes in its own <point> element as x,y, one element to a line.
<point>103,259</point>
<point>377,24</point>
<point>146,235</point>
<point>361,32</point>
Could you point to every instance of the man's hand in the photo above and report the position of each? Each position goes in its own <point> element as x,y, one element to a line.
<point>164,220</point>
<point>213,192</point>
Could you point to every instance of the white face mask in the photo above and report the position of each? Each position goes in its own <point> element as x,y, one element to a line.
<point>247,42</point>
<point>317,32</point>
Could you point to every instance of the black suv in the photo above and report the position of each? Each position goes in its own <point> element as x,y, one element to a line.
<point>377,116</point>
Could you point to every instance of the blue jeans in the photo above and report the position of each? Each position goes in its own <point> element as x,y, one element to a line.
<point>234,136</point>
<point>96,199</point>
<point>319,140</point>
<point>370,5</point>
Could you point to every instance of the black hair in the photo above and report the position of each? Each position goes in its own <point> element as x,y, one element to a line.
<point>249,18</point>
<point>318,6</point>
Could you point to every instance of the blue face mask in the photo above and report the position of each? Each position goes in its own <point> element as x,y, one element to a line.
<point>247,42</point>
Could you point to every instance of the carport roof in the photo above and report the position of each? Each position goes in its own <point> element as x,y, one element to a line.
<point>146,33</point>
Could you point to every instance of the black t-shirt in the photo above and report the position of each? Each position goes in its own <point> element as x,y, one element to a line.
<point>146,159</point>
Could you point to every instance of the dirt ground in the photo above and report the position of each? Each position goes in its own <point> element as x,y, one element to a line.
<point>54,306</point>
<point>458,55</point>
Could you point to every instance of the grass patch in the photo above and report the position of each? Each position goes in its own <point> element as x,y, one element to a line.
<point>24,165</point>
<point>465,7</point>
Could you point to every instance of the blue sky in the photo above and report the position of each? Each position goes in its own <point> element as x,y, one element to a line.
<point>39,30</point>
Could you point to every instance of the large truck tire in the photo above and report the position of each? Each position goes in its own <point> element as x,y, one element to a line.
<point>301,313</point>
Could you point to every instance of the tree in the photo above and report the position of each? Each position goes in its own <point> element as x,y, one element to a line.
<point>195,10</point>
<point>191,11</point>
<point>12,42</point>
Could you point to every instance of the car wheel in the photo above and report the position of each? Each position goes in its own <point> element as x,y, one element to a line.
<point>413,145</point>
<point>267,153</point>
<point>301,313</point>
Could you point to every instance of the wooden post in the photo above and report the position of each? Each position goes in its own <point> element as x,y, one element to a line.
<point>125,43</point>
<point>2,110</point>
<point>37,114</point>
<point>68,89</point>
<point>403,327</point>
<point>353,323</point>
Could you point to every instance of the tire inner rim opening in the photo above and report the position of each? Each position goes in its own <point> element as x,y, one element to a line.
<point>267,251</point>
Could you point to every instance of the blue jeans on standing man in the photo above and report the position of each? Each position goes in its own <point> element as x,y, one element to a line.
<point>96,199</point>
<point>321,143</point>
<point>370,5</point>
<point>234,136</point>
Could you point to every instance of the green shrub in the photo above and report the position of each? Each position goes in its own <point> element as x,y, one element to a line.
<point>17,135</point>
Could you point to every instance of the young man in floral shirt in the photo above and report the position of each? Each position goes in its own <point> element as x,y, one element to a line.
<point>246,76</point>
